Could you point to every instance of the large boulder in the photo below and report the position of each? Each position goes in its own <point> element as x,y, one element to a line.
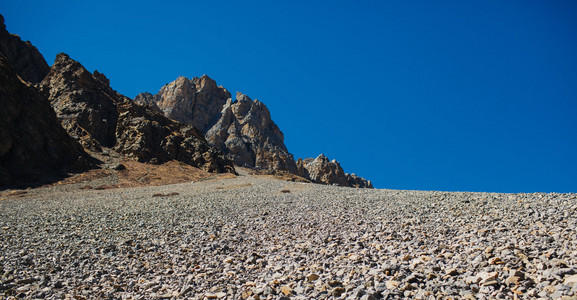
<point>33,144</point>
<point>325,171</point>
<point>24,58</point>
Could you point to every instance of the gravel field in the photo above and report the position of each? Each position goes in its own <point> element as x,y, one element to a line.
<point>256,238</point>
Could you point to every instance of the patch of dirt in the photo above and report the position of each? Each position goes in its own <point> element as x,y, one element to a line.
<point>129,173</point>
<point>86,176</point>
<point>233,186</point>
<point>277,175</point>
<point>13,194</point>
<point>141,174</point>
<point>165,195</point>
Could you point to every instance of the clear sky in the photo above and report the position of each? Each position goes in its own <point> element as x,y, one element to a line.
<point>426,95</point>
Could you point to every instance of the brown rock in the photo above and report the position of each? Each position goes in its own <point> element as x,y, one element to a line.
<point>196,101</point>
<point>242,129</point>
<point>321,170</point>
<point>99,116</point>
<point>249,137</point>
<point>33,144</point>
<point>84,103</point>
<point>147,136</point>
<point>24,58</point>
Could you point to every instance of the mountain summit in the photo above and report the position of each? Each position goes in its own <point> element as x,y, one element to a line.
<point>242,128</point>
<point>194,121</point>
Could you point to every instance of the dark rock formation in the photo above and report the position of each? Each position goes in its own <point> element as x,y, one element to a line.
<point>321,170</point>
<point>147,136</point>
<point>242,129</point>
<point>33,144</point>
<point>99,116</point>
<point>24,58</point>
<point>84,103</point>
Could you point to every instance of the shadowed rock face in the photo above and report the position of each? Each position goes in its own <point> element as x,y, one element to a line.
<point>147,136</point>
<point>33,144</point>
<point>24,58</point>
<point>242,129</point>
<point>99,116</point>
<point>321,170</point>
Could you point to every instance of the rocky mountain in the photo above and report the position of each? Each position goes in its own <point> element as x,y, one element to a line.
<point>22,56</point>
<point>196,101</point>
<point>98,116</point>
<point>147,136</point>
<point>84,103</point>
<point>242,129</point>
<point>247,134</point>
<point>323,170</point>
<point>33,144</point>
<point>191,120</point>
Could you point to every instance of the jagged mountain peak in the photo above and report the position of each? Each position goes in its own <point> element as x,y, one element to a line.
<point>99,116</point>
<point>242,129</point>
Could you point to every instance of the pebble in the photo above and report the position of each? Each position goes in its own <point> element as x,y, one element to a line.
<point>240,239</point>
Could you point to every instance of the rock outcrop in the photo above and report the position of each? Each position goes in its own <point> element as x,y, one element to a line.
<point>242,129</point>
<point>323,170</point>
<point>147,136</point>
<point>24,58</point>
<point>99,116</point>
<point>84,103</point>
<point>33,144</point>
<point>196,101</point>
<point>249,137</point>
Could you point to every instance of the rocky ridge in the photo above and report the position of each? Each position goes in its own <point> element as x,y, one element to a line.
<point>98,116</point>
<point>196,101</point>
<point>250,138</point>
<point>33,144</point>
<point>84,103</point>
<point>242,128</point>
<point>24,58</point>
<point>323,170</point>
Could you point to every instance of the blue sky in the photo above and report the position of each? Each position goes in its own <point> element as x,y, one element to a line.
<point>427,95</point>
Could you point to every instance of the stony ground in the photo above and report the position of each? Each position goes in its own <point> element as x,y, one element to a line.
<point>257,238</point>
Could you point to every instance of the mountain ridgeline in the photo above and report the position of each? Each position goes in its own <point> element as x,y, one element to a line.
<point>242,129</point>
<point>56,119</point>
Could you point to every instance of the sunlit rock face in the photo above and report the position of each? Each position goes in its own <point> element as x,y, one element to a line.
<point>242,129</point>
